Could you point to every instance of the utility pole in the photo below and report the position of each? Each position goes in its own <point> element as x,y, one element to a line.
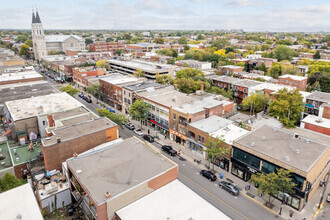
<point>324,189</point>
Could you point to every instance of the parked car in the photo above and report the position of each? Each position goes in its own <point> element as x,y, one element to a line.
<point>138,131</point>
<point>130,126</point>
<point>81,95</point>
<point>328,198</point>
<point>148,138</point>
<point>169,150</point>
<point>229,188</point>
<point>89,100</point>
<point>208,175</point>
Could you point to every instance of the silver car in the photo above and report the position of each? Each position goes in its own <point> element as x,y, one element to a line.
<point>138,132</point>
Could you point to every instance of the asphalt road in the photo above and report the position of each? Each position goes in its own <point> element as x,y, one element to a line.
<point>240,207</point>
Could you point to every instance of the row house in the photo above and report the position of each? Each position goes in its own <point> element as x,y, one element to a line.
<point>112,89</point>
<point>242,89</point>
<point>106,46</point>
<point>300,82</point>
<point>314,103</point>
<point>79,73</point>
<point>223,82</point>
<point>92,57</point>
<point>141,47</point>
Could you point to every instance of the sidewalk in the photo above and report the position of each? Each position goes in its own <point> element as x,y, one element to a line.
<point>307,212</point>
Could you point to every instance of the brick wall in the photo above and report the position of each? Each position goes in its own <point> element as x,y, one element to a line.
<point>318,129</point>
<point>56,154</point>
<point>21,80</point>
<point>326,112</point>
<point>18,170</point>
<point>163,179</point>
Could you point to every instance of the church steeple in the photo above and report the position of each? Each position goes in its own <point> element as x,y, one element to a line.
<point>33,17</point>
<point>37,18</point>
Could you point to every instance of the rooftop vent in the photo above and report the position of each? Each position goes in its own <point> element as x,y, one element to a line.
<point>78,171</point>
<point>307,141</point>
<point>107,195</point>
<point>263,138</point>
<point>287,158</point>
<point>274,130</point>
<point>58,140</point>
<point>252,144</point>
<point>297,151</point>
<point>296,135</point>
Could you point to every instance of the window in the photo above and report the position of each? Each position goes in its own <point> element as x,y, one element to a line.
<point>295,82</point>
<point>244,95</point>
<point>43,123</point>
<point>202,139</point>
<point>174,116</point>
<point>245,90</point>
<point>124,92</point>
<point>286,81</point>
<point>71,44</point>
<point>267,167</point>
<point>246,158</point>
<point>281,80</point>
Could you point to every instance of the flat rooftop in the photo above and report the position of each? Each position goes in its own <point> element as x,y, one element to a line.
<point>172,201</point>
<point>25,90</point>
<point>141,86</point>
<point>31,107</point>
<point>11,205</point>
<point>294,77</point>
<point>143,65</point>
<point>5,156</point>
<point>301,153</point>
<point>117,78</point>
<point>78,130</point>
<point>226,79</point>
<point>211,124</point>
<point>229,133</point>
<point>118,167</point>
<point>314,120</point>
<point>26,75</point>
<point>247,83</point>
<point>319,96</point>
<point>21,155</point>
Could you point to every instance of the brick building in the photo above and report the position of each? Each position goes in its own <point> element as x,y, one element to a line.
<point>132,169</point>
<point>223,82</point>
<point>229,69</point>
<point>19,75</point>
<point>317,124</point>
<point>307,159</point>
<point>243,88</point>
<point>76,138</point>
<point>112,88</point>
<point>106,46</point>
<point>79,73</point>
<point>300,82</point>
<point>314,102</point>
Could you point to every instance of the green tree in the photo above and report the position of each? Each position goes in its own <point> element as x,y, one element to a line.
<point>287,106</point>
<point>94,89</point>
<point>21,38</point>
<point>103,64</point>
<point>267,184</point>
<point>200,37</point>
<point>139,110</point>
<point>24,50</point>
<point>109,39</point>
<point>283,52</point>
<point>255,102</point>
<point>275,70</point>
<point>159,40</point>
<point>186,47</point>
<point>325,83</point>
<point>186,85</point>
<point>88,41</point>
<point>317,55</point>
<point>29,43</point>
<point>265,47</point>
<point>215,149</point>
<point>182,40</point>
<point>164,79</point>
<point>118,119</point>
<point>127,36</point>
<point>223,92</point>
<point>10,181</point>
<point>284,182</point>
<point>189,73</point>
<point>119,52</point>
<point>221,43</point>
<point>70,90</point>
<point>262,67</point>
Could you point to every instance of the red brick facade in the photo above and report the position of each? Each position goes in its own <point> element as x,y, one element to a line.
<point>106,46</point>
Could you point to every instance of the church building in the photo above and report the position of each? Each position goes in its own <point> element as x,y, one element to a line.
<point>42,43</point>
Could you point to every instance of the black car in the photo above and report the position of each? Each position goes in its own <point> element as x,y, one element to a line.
<point>148,138</point>
<point>208,175</point>
<point>130,126</point>
<point>229,187</point>
<point>169,150</point>
<point>89,100</point>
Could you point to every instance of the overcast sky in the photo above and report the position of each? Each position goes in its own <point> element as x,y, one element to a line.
<point>250,15</point>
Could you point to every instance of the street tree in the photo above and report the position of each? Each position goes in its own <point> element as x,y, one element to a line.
<point>70,90</point>
<point>119,52</point>
<point>94,89</point>
<point>267,184</point>
<point>283,52</point>
<point>183,40</point>
<point>255,102</point>
<point>118,119</point>
<point>284,183</point>
<point>215,149</point>
<point>287,106</point>
<point>139,110</point>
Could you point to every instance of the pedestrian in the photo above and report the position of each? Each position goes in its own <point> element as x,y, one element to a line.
<point>165,137</point>
<point>148,131</point>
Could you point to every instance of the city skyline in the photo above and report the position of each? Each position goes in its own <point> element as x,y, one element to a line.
<point>250,15</point>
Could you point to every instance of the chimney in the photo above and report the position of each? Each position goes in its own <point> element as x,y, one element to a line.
<point>107,195</point>
<point>75,155</point>
<point>202,86</point>
<point>51,122</point>
<point>175,86</point>
<point>296,135</point>
<point>58,140</point>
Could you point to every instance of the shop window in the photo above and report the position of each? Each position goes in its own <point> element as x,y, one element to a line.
<point>246,158</point>
<point>267,167</point>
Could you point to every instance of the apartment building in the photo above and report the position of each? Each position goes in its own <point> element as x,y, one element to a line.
<point>314,103</point>
<point>305,157</point>
<point>242,88</point>
<point>223,82</point>
<point>19,75</point>
<point>229,69</point>
<point>300,82</point>
<point>79,73</point>
<point>106,46</point>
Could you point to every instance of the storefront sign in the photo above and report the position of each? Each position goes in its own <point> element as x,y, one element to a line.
<point>177,134</point>
<point>153,121</point>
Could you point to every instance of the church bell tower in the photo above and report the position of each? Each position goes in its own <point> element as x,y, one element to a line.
<point>38,37</point>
